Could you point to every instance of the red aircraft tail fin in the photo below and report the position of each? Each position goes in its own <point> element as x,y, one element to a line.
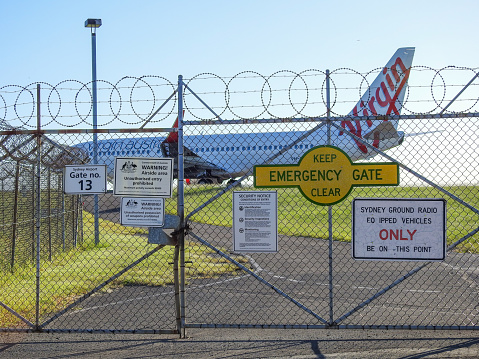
<point>173,136</point>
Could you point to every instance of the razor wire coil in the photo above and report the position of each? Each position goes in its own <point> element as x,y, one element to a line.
<point>246,95</point>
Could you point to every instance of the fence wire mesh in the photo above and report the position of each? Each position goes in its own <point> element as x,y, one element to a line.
<point>55,277</point>
<point>365,293</point>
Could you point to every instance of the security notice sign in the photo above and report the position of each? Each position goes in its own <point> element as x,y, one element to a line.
<point>255,221</point>
<point>399,229</point>
<point>84,179</point>
<point>142,212</point>
<point>143,177</point>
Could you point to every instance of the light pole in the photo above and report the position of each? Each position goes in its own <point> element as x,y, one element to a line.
<point>93,24</point>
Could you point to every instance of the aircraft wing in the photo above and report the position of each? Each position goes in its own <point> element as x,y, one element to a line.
<point>195,167</point>
<point>383,131</point>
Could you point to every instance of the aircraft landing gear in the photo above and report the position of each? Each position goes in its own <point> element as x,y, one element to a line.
<point>205,181</point>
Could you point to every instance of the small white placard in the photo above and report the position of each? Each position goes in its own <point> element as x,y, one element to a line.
<point>399,229</point>
<point>84,179</point>
<point>142,212</point>
<point>255,221</point>
<point>143,177</point>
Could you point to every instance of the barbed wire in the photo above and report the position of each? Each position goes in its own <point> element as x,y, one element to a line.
<point>132,100</point>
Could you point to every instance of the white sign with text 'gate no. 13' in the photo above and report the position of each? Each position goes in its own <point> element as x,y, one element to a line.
<point>255,221</point>
<point>143,177</point>
<point>84,179</point>
<point>399,229</point>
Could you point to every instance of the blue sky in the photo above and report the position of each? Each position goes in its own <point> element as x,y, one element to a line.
<point>46,40</point>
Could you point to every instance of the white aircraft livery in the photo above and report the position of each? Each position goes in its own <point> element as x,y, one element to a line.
<point>226,156</point>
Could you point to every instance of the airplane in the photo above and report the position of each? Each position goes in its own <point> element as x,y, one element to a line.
<point>213,158</point>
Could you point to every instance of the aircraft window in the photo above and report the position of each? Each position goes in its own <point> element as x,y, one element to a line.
<point>275,147</point>
<point>148,151</point>
<point>217,149</point>
<point>265,147</point>
<point>243,148</point>
<point>196,149</point>
<point>301,146</point>
<point>207,149</point>
<point>222,148</point>
<point>254,148</point>
<point>248,148</point>
<point>295,147</point>
<point>270,147</point>
<point>227,148</point>
<point>280,147</point>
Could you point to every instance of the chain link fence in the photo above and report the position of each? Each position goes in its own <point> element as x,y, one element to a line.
<point>56,277</point>
<point>313,282</point>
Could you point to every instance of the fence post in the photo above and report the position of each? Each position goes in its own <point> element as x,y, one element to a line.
<point>330,209</point>
<point>181,207</point>
<point>38,214</point>
<point>74,214</point>
<point>15,216</point>
<point>33,199</point>
<point>80,220</point>
<point>49,213</point>
<point>60,189</point>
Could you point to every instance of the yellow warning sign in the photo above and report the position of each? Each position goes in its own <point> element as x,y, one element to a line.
<point>326,175</point>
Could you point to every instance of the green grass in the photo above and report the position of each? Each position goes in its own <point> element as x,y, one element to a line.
<point>299,217</point>
<point>72,274</point>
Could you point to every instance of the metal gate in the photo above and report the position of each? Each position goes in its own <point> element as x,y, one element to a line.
<point>67,266</point>
<point>312,281</point>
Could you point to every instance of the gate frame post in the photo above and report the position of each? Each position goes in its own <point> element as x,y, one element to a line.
<point>181,209</point>
<point>38,214</point>
<point>330,209</point>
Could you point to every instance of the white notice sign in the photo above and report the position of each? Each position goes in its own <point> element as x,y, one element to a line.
<point>399,229</point>
<point>255,221</point>
<point>143,177</point>
<point>142,212</point>
<point>84,179</point>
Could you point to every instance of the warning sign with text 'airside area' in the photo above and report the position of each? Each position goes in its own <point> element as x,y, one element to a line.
<point>255,221</point>
<point>143,177</point>
<point>399,229</point>
<point>142,212</point>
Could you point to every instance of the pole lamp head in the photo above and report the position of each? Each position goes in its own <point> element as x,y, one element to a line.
<point>93,24</point>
